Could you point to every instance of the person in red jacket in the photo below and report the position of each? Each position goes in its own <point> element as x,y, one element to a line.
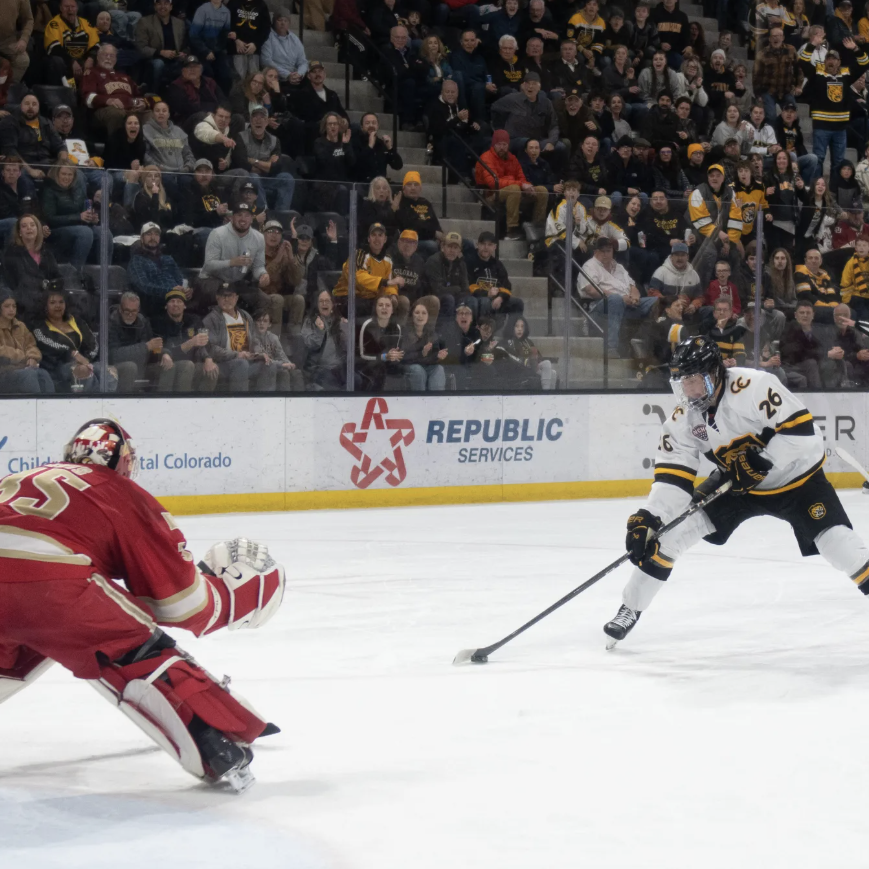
<point>723,288</point>
<point>509,184</point>
<point>112,95</point>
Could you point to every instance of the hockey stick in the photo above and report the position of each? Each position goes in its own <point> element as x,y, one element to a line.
<point>481,656</point>
<point>846,457</point>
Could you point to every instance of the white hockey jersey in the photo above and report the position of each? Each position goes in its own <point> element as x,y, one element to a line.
<point>754,411</point>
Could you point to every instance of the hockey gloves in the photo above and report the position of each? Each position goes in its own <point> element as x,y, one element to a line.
<point>640,527</point>
<point>747,470</point>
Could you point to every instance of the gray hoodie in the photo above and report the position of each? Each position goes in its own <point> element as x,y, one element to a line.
<point>669,281</point>
<point>169,149</point>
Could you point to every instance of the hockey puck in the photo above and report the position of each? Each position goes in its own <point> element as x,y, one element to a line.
<point>480,659</point>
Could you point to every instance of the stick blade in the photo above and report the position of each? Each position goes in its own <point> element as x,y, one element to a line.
<point>467,656</point>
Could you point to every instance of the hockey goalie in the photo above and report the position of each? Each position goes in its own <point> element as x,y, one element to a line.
<point>91,565</point>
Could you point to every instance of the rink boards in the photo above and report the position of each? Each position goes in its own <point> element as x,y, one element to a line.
<point>214,455</point>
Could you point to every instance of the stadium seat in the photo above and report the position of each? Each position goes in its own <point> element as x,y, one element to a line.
<point>52,96</point>
<point>117,278</point>
<point>319,220</point>
<point>285,218</point>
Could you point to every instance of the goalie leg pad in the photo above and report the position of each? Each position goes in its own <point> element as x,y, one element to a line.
<point>26,667</point>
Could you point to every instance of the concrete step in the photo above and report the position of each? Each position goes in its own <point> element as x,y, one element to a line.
<point>513,249</point>
<point>539,326</point>
<point>530,288</point>
<point>516,268</point>
<point>428,174</point>
<point>580,348</point>
<point>470,229</point>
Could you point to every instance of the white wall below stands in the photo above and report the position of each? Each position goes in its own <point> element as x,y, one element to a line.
<point>207,455</point>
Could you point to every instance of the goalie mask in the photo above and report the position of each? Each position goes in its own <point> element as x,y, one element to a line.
<point>103,442</point>
<point>696,371</point>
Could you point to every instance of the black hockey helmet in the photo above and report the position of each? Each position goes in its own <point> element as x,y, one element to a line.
<point>692,357</point>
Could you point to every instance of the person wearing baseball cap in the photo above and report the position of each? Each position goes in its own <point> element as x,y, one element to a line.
<point>407,263</point>
<point>283,50</point>
<point>249,195</point>
<point>151,272</point>
<point>789,135</point>
<point>598,224</point>
<point>374,275</point>
<point>285,276</point>
<point>676,277</point>
<point>501,173</point>
<point>314,101</point>
<point>446,275</point>
<point>490,283</point>
<point>705,205</point>
<point>417,213</point>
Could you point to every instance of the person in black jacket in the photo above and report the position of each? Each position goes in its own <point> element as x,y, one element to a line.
<point>784,190</point>
<point>334,162</point>
<point>249,22</point>
<point>789,135</point>
<point>539,172</point>
<point>379,348</point>
<point>374,153</point>
<point>423,352</point>
<point>661,124</point>
<point>446,276</point>
<point>312,100</point>
<point>446,116</point>
<point>186,341</point>
<point>26,134</point>
<point>152,204</point>
<point>17,197</point>
<point>376,207</point>
<point>626,175</point>
<point>29,268</point>
<point>407,69</point>
<point>413,211</point>
<point>133,346</point>
<point>408,264</point>
<point>206,204</point>
<point>490,284</point>
<point>587,168</point>
<point>461,339</point>
<point>193,95</point>
<point>566,73</point>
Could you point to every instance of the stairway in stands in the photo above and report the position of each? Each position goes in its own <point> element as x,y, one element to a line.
<point>464,212</point>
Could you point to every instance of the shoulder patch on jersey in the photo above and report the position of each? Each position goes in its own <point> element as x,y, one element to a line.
<point>699,431</point>
<point>817,511</point>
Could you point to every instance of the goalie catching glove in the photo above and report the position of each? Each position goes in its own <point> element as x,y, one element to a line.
<point>746,470</point>
<point>252,579</point>
<point>639,542</point>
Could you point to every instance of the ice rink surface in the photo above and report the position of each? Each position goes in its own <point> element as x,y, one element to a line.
<point>729,730</point>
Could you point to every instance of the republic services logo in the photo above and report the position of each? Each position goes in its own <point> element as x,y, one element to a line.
<point>365,472</point>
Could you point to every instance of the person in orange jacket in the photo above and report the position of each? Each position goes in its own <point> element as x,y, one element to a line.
<point>500,172</point>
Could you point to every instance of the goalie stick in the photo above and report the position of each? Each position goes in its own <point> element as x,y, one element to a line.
<point>846,457</point>
<point>481,656</point>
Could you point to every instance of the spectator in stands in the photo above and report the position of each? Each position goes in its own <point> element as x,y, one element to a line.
<point>69,348</point>
<point>538,172</point>
<point>469,62</point>
<point>676,277</point>
<point>665,332</point>
<point>110,34</point>
<point>779,292</point>
<point>185,339</point>
<point>235,253</point>
<point>599,223</point>
<point>334,163</point>
<point>153,205</point>
<point>855,279</point>
<point>284,290</point>
<point>212,140</point>
<point>507,183</point>
<point>446,276</point>
<point>506,69</point>
<point>125,150</point>
<point>663,228</point>
<point>455,137</point>
<point>532,61</point>
<point>207,208</point>
<point>790,137</point>
<point>770,341</point>
<point>29,267</point>
<point>152,273</point>
<point>530,115</point>
<point>75,229</point>
<point>324,334</point>
<point>69,43</point>
<point>673,29</point>
<point>695,168</point>
<point>248,30</point>
<point>374,153</point>
<point>161,39</point>
<point>620,300</point>
<point>668,175</point>
<point>815,285</point>
<point>462,340</point>
<point>817,218</point>
<point>784,189</point>
<point>626,175</point>
<point>287,376</point>
<point>376,207</point>
<point>846,362</point>
<point>704,211</point>
<point>661,126</point>
<point>575,123</point>
<point>133,349</point>
<point>111,95</point>
<point>434,68</point>
<point>413,211</point>
<point>27,135</point>
<point>16,198</point>
<point>844,188</point>
<point>721,287</point>
<point>374,275</point>
<point>284,51</point>
<point>728,334</point>
<point>567,74</point>
<point>657,78</point>
<point>235,344</point>
<point>587,28</point>
<point>314,100</point>
<point>193,95</point>
<point>379,349</point>
<point>644,40</point>
<point>381,18</point>
<point>19,355</point>
<point>168,148</point>
<point>801,349</point>
<point>423,352</point>
<point>311,261</point>
<point>16,27</point>
<point>774,73</point>
<point>209,37</point>
<point>588,168</point>
<point>490,284</point>
<point>407,263</point>
<point>408,71</point>
<point>266,163</point>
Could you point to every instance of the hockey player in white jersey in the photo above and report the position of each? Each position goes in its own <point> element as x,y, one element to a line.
<point>763,439</point>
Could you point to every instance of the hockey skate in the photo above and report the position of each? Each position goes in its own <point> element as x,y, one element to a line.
<point>620,626</point>
<point>223,759</point>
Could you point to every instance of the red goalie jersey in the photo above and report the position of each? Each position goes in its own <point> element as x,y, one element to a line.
<point>70,521</point>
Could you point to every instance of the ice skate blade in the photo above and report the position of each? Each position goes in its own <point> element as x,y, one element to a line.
<point>239,780</point>
<point>611,644</point>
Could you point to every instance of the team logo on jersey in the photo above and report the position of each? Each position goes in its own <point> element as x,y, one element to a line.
<point>835,92</point>
<point>817,511</point>
<point>699,431</point>
<point>402,434</point>
<point>749,212</point>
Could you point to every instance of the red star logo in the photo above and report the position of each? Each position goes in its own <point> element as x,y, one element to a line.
<point>366,472</point>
